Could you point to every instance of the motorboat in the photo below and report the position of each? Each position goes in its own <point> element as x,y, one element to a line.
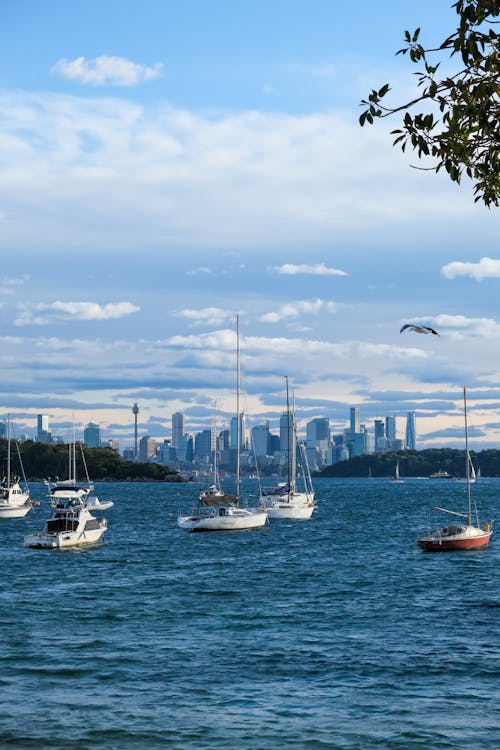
<point>466,534</point>
<point>70,525</point>
<point>225,517</point>
<point>61,492</point>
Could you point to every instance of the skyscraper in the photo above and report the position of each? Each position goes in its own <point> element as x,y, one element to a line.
<point>260,439</point>
<point>354,427</point>
<point>286,431</point>
<point>177,428</point>
<point>43,434</point>
<point>390,428</point>
<point>318,429</point>
<point>92,435</point>
<point>379,432</point>
<point>411,431</point>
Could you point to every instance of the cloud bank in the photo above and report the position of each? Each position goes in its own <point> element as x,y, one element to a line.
<point>42,314</point>
<point>486,268</point>
<point>106,70</point>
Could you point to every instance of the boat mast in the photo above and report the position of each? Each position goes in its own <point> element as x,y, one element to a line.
<point>8,450</point>
<point>238,426</point>
<point>289,438</point>
<point>467,461</point>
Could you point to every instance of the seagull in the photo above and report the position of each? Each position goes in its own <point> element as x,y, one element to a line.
<point>418,328</point>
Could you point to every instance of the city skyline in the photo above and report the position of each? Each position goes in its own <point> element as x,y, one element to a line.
<point>162,175</point>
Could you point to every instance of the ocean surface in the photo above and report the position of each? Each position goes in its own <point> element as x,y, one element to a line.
<point>338,632</point>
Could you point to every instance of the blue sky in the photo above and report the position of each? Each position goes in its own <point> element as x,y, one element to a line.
<point>166,165</point>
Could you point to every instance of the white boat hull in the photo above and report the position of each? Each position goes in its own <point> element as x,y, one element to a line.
<point>233,519</point>
<point>14,511</point>
<point>41,540</point>
<point>298,505</point>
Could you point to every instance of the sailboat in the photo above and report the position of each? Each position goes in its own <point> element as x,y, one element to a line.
<point>216,510</point>
<point>286,500</point>
<point>396,477</point>
<point>466,534</point>
<point>15,501</point>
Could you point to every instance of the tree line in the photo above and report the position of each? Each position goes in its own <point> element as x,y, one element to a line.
<point>46,461</point>
<point>415,463</point>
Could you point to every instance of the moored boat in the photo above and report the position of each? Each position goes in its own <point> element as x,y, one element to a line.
<point>70,525</point>
<point>286,500</point>
<point>465,535</point>
<point>15,501</point>
<point>217,510</point>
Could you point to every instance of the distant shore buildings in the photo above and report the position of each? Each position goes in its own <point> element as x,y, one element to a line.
<point>260,448</point>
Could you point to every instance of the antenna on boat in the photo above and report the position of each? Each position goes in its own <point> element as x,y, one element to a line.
<point>467,461</point>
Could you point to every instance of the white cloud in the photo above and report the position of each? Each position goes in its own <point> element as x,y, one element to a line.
<point>9,284</point>
<point>315,269</point>
<point>199,270</point>
<point>174,178</point>
<point>487,268</point>
<point>42,314</point>
<point>300,307</point>
<point>461,326</point>
<point>106,70</point>
<point>207,316</point>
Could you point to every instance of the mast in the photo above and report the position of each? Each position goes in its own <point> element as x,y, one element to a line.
<point>467,461</point>
<point>238,426</point>
<point>8,450</point>
<point>289,436</point>
<point>216,478</point>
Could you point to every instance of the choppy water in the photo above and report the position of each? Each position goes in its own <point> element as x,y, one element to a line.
<point>332,633</point>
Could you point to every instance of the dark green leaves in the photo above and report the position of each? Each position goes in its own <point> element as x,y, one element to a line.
<point>459,128</point>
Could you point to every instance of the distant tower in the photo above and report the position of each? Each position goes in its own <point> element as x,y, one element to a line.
<point>411,432</point>
<point>135,411</point>
<point>177,428</point>
<point>354,419</point>
<point>92,435</point>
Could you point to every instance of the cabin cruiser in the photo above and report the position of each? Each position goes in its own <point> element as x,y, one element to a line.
<point>71,524</point>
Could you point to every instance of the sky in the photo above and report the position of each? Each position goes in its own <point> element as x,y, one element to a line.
<point>167,165</point>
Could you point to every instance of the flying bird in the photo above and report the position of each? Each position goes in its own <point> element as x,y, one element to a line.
<point>418,328</point>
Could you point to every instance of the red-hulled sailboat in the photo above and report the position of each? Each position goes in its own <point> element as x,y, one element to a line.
<point>464,535</point>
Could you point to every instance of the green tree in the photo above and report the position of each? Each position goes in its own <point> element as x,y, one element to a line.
<point>459,127</point>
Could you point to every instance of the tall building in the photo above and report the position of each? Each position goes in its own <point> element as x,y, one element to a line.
<point>286,432</point>
<point>177,428</point>
<point>43,434</point>
<point>3,429</point>
<point>92,435</point>
<point>260,439</point>
<point>379,432</point>
<point>354,422</point>
<point>185,449</point>
<point>147,448</point>
<point>411,431</point>
<point>390,428</point>
<point>204,444</point>
<point>318,429</point>
<point>135,412</point>
<point>234,431</point>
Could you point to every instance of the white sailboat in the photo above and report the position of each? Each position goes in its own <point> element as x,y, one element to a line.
<point>396,478</point>
<point>15,501</point>
<point>219,511</point>
<point>466,534</point>
<point>286,500</point>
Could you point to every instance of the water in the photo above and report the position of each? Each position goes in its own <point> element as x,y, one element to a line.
<point>333,633</point>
